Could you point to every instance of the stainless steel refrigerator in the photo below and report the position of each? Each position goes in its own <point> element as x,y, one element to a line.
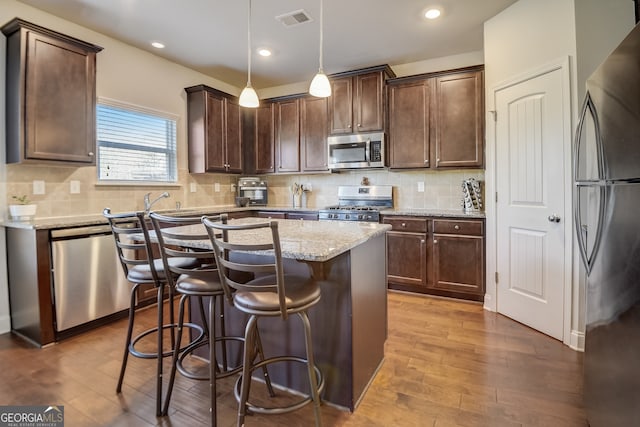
<point>607,203</point>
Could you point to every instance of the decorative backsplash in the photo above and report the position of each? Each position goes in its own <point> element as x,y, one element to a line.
<point>441,189</point>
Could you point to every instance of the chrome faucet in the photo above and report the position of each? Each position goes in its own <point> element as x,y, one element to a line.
<point>148,204</point>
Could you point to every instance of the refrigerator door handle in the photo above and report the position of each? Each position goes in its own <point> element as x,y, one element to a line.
<point>589,255</point>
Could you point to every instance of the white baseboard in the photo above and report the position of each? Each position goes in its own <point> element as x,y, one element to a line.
<point>576,340</point>
<point>5,324</point>
<point>488,303</point>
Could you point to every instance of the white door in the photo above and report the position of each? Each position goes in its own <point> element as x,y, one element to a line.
<point>530,150</point>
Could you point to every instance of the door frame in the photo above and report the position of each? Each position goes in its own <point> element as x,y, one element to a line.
<point>571,295</point>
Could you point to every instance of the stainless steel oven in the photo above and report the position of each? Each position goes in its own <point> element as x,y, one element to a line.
<point>357,151</point>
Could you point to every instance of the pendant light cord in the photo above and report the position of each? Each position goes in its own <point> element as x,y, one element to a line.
<point>249,46</point>
<point>321,32</point>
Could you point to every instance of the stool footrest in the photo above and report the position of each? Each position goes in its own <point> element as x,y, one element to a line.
<point>284,409</point>
<point>201,343</point>
<point>167,353</point>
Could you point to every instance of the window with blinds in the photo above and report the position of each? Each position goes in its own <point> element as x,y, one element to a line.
<point>135,144</point>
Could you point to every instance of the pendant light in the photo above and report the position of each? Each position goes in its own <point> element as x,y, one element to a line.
<point>320,85</point>
<point>249,97</point>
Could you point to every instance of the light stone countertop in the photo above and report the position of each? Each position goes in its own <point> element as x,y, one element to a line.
<point>301,240</point>
<point>98,219</point>
<point>440,213</point>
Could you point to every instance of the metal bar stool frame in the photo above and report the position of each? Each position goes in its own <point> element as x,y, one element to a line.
<point>141,268</point>
<point>201,281</point>
<point>271,280</point>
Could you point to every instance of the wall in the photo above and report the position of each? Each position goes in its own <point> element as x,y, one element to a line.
<point>524,37</point>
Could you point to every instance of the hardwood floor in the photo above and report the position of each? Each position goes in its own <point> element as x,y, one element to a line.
<point>448,363</point>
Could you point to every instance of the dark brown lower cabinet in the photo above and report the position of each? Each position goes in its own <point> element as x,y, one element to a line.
<point>436,256</point>
<point>406,259</point>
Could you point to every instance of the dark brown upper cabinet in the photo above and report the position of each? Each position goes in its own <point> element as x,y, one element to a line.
<point>313,134</point>
<point>51,96</point>
<point>357,102</point>
<point>436,120</point>
<point>409,124</point>
<point>287,135</point>
<point>264,144</point>
<point>214,131</point>
<point>459,120</point>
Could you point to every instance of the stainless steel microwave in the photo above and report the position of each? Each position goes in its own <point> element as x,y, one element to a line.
<point>357,151</point>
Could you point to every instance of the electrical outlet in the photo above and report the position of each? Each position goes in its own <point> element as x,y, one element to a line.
<point>38,187</point>
<point>420,186</point>
<point>308,186</point>
<point>74,187</point>
<point>192,187</point>
<point>216,187</point>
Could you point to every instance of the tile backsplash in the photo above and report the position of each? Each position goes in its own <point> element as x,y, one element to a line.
<point>442,189</point>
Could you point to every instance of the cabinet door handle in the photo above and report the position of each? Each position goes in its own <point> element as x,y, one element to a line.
<point>422,241</point>
<point>349,126</point>
<point>359,125</point>
<point>91,153</point>
<point>435,241</point>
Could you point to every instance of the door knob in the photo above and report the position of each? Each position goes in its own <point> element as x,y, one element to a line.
<point>554,218</point>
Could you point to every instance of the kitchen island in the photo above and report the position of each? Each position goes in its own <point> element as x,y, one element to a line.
<point>349,324</point>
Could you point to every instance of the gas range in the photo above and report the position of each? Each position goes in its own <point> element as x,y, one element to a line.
<point>359,203</point>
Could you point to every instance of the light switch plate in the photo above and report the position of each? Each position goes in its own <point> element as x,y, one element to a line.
<point>420,186</point>
<point>216,187</point>
<point>192,187</point>
<point>74,187</point>
<point>38,187</point>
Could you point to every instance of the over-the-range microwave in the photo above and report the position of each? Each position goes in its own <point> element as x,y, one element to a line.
<point>356,151</point>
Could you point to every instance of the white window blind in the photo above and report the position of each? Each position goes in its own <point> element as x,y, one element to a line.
<point>135,144</point>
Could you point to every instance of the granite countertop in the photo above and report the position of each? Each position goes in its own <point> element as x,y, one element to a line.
<point>443,213</point>
<point>98,219</point>
<point>301,240</point>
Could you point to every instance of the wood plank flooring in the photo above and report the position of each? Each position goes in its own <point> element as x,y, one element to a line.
<point>448,363</point>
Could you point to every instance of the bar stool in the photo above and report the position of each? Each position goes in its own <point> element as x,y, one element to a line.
<point>135,252</point>
<point>177,236</point>
<point>270,294</point>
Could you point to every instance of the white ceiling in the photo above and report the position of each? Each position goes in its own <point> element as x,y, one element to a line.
<point>211,35</point>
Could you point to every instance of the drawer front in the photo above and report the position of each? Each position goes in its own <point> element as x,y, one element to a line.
<point>414,225</point>
<point>273,215</point>
<point>468,227</point>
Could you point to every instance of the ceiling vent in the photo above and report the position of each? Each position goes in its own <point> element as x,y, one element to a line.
<point>296,17</point>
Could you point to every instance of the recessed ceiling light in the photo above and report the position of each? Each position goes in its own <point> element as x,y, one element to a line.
<point>264,52</point>
<point>432,13</point>
<point>157,45</point>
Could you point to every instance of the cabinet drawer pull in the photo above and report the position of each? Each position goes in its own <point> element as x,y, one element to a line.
<point>457,227</point>
<point>404,224</point>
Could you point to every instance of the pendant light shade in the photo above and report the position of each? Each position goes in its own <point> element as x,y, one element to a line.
<point>249,97</point>
<point>320,85</point>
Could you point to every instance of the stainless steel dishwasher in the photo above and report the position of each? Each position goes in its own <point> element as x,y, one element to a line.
<point>88,282</point>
